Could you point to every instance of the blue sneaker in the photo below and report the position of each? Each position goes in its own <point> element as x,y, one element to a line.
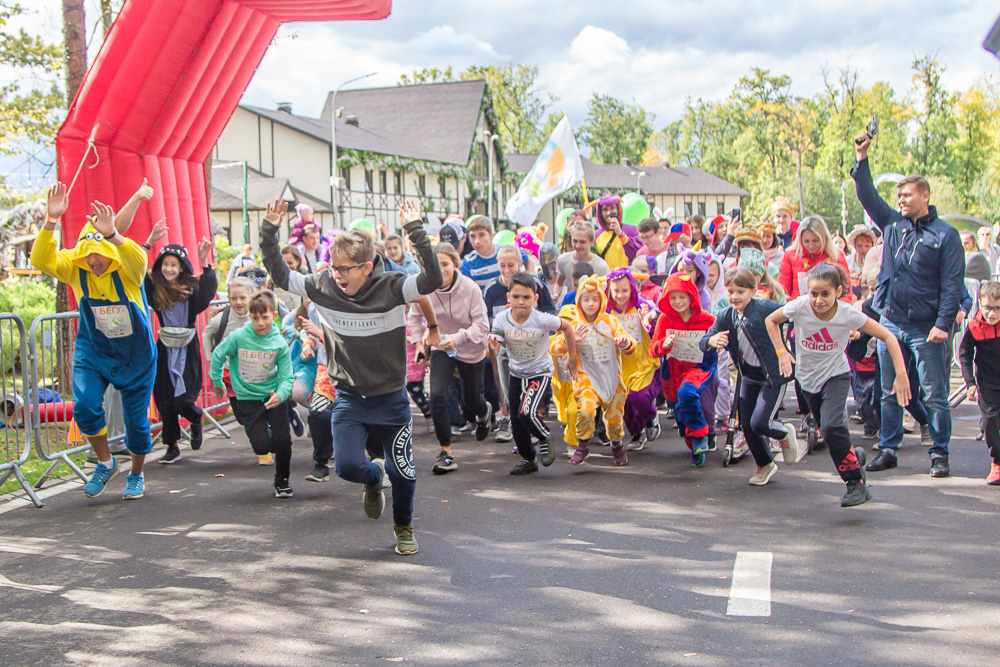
<point>133,487</point>
<point>99,480</point>
<point>697,460</point>
<point>700,446</point>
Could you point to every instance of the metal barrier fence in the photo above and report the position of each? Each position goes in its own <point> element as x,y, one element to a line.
<point>47,427</point>
<point>16,417</point>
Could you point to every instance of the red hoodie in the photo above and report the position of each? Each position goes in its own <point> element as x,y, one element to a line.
<point>670,319</point>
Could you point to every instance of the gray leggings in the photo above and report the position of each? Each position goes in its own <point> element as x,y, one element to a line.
<point>830,403</point>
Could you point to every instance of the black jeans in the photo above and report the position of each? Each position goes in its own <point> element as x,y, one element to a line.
<point>526,397</point>
<point>442,370</point>
<point>758,404</point>
<point>989,406</point>
<point>322,435</point>
<point>171,409</point>
<point>830,405</point>
<point>268,431</point>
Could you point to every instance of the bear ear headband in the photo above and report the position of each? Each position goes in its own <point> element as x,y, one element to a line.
<point>170,251</point>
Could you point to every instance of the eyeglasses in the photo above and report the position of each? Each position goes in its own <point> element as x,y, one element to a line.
<point>990,309</point>
<point>344,270</point>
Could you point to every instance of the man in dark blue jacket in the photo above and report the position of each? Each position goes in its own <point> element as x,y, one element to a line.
<point>918,295</point>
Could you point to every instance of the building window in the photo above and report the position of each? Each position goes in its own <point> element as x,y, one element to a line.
<point>381,181</point>
<point>397,182</point>
<point>720,207</point>
<point>422,185</point>
<point>345,173</point>
<point>688,208</point>
<point>701,209</point>
<point>441,186</point>
<point>369,177</point>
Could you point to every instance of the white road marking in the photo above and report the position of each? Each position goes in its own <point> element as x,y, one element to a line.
<point>750,594</point>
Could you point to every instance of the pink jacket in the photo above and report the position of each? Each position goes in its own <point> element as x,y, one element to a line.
<point>461,314</point>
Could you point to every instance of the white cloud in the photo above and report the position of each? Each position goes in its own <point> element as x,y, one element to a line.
<point>597,47</point>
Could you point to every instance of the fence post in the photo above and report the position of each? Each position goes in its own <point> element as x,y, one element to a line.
<point>17,413</point>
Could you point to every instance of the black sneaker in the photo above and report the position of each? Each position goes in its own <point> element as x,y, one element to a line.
<point>524,468</point>
<point>483,425</point>
<point>282,489</point>
<point>197,435</point>
<point>857,494</point>
<point>298,428</point>
<point>445,463</point>
<point>545,453</point>
<point>319,474</point>
<point>173,455</point>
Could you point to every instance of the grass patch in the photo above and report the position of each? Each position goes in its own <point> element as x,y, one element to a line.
<point>34,467</point>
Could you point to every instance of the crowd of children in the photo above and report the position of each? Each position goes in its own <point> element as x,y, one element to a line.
<point>647,318</point>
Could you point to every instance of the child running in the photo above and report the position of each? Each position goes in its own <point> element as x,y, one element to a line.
<point>523,332</point>
<point>600,342</point>
<point>980,355</point>
<point>824,327</point>
<point>740,329</point>
<point>690,382</point>
<point>363,310</point>
<point>262,378</point>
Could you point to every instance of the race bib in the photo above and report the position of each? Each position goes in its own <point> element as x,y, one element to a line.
<point>257,367</point>
<point>686,346</point>
<point>595,347</point>
<point>632,323</point>
<point>803,284</point>
<point>113,321</point>
<point>524,345</point>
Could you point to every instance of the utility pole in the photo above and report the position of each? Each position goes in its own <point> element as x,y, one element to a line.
<point>334,173</point>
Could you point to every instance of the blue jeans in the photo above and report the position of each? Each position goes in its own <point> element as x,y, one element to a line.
<point>932,372</point>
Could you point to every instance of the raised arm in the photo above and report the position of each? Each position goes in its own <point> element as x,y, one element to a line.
<point>881,213</point>
<point>124,218</point>
<point>271,251</point>
<point>411,214</point>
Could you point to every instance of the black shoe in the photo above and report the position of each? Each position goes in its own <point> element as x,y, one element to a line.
<point>980,437</point>
<point>939,466</point>
<point>524,468</point>
<point>857,419</point>
<point>319,474</point>
<point>872,436</point>
<point>445,464</point>
<point>298,428</point>
<point>886,459</point>
<point>197,435</point>
<point>857,493</point>
<point>173,455</point>
<point>545,453</point>
<point>282,489</point>
<point>483,425</point>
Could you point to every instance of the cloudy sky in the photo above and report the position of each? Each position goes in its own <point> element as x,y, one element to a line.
<point>657,52</point>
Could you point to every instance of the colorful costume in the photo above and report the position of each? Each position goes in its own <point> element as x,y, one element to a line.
<point>114,339</point>
<point>639,370</point>
<point>690,383</point>
<point>599,383</point>
<point>617,251</point>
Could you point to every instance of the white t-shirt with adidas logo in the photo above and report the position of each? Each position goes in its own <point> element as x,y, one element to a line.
<point>821,347</point>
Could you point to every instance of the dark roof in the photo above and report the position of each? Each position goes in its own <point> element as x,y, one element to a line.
<point>435,121</point>
<point>657,181</point>
<point>227,190</point>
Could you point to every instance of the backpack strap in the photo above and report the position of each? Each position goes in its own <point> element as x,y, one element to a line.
<point>223,323</point>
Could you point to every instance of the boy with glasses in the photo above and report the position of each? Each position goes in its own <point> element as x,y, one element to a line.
<point>363,310</point>
<point>980,355</point>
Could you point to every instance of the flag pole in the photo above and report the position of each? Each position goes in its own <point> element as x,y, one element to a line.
<point>586,200</point>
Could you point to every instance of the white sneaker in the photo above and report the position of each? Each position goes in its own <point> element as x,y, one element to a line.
<point>637,443</point>
<point>764,475</point>
<point>790,450</point>
<point>504,434</point>
<point>909,423</point>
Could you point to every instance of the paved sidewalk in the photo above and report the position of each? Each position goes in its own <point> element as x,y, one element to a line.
<point>588,565</point>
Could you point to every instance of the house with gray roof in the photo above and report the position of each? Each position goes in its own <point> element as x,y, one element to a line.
<point>427,141</point>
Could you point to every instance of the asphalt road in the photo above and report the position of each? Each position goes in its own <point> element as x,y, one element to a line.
<point>590,565</point>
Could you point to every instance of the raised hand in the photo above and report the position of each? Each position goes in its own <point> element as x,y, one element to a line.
<point>145,192</point>
<point>861,144</point>
<point>58,201</point>
<point>411,211</point>
<point>204,247</point>
<point>105,221</point>
<point>276,212</point>
<point>159,231</point>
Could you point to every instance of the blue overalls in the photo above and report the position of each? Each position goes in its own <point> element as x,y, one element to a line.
<point>114,345</point>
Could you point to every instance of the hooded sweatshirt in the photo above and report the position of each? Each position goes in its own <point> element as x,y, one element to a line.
<point>639,368</point>
<point>129,260</point>
<point>258,365</point>
<point>700,262</point>
<point>461,315</point>
<point>600,359</point>
<point>617,251</point>
<point>671,321</point>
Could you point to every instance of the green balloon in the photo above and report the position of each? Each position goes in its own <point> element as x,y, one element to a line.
<point>363,225</point>
<point>503,237</point>
<point>561,221</point>
<point>634,209</point>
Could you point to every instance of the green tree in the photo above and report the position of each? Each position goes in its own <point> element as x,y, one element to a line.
<point>936,127</point>
<point>519,107</point>
<point>28,104</point>
<point>427,75</point>
<point>615,130</point>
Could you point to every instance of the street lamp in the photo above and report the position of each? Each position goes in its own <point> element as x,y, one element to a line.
<point>334,177</point>
<point>638,178</point>
<point>490,138</point>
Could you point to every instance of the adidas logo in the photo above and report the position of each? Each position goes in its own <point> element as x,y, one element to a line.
<point>821,341</point>
<point>850,461</point>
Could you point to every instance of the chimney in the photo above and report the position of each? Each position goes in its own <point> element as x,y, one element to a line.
<point>665,164</point>
<point>352,120</point>
<point>285,106</point>
<point>626,162</point>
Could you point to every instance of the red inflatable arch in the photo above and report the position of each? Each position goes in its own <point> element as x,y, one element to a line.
<point>153,104</point>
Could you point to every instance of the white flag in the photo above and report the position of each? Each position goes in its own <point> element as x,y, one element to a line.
<point>557,169</point>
